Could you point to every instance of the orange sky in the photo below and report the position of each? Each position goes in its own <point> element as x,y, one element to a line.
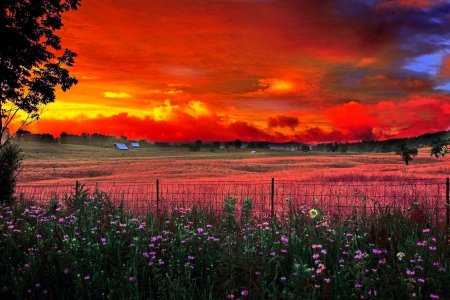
<point>277,70</point>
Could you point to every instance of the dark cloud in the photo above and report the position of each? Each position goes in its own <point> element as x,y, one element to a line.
<point>283,121</point>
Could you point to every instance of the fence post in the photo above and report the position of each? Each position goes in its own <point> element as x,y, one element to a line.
<point>77,186</point>
<point>448,204</point>
<point>272,197</point>
<point>157,196</point>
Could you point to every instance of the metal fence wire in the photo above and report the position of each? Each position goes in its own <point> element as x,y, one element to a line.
<point>270,197</point>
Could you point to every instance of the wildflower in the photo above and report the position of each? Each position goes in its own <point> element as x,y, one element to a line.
<point>313,213</point>
<point>284,240</point>
<point>244,293</point>
<point>316,246</point>
<point>283,278</point>
<point>400,255</point>
<point>432,248</point>
<point>376,251</point>
<point>414,295</point>
<point>208,226</point>
<point>191,257</point>
<point>382,261</point>
<point>315,256</point>
<point>200,230</point>
<point>327,280</point>
<point>66,271</point>
<point>410,273</point>
<point>38,236</point>
<point>87,277</point>
<point>230,296</point>
<point>283,251</point>
<point>323,251</point>
<point>426,230</point>
<point>27,266</point>
<point>272,253</point>
<point>421,280</point>
<point>358,286</point>
<point>257,273</point>
<point>434,296</point>
<point>131,278</point>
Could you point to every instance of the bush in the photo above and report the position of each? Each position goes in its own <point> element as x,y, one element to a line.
<point>10,165</point>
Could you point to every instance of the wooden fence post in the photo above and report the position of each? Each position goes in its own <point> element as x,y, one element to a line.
<point>448,204</point>
<point>157,196</point>
<point>272,197</point>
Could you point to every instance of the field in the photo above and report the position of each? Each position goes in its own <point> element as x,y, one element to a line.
<point>85,246</point>
<point>52,163</point>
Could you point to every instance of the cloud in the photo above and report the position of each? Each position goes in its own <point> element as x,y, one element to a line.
<point>411,4</point>
<point>90,77</point>
<point>283,121</point>
<point>445,69</point>
<point>116,95</point>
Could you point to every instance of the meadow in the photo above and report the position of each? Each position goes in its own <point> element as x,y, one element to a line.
<point>87,246</point>
<point>53,163</point>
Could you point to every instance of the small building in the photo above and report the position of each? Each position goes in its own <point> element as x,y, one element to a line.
<point>134,145</point>
<point>120,146</point>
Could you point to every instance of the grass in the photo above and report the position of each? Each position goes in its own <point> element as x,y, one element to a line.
<point>85,248</point>
<point>50,163</point>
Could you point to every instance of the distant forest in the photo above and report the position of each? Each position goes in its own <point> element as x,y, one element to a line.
<point>107,141</point>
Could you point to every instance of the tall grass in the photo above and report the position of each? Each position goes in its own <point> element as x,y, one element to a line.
<point>85,248</point>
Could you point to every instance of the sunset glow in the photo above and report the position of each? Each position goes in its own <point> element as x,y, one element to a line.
<point>305,71</point>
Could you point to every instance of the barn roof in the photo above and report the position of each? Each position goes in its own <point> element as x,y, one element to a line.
<point>121,146</point>
<point>134,144</point>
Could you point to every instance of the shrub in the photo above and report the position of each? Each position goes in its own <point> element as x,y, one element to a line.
<point>10,165</point>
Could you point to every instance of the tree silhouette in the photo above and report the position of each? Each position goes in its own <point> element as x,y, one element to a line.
<point>237,143</point>
<point>29,71</point>
<point>406,153</point>
<point>440,147</point>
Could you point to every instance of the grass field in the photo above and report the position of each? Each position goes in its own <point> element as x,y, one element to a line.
<point>51,163</point>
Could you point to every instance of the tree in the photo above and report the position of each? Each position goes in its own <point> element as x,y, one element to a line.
<point>440,147</point>
<point>237,143</point>
<point>305,148</point>
<point>10,165</point>
<point>406,153</point>
<point>29,66</point>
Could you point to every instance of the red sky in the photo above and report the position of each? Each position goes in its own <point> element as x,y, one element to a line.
<point>277,70</point>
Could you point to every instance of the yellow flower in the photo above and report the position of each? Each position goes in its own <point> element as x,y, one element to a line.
<point>313,213</point>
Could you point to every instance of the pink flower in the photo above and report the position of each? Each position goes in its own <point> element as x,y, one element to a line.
<point>200,230</point>
<point>244,293</point>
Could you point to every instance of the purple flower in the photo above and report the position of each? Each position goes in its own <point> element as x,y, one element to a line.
<point>284,240</point>
<point>191,257</point>
<point>244,293</point>
<point>410,273</point>
<point>421,280</point>
<point>87,277</point>
<point>434,296</point>
<point>283,278</point>
<point>200,230</point>
<point>358,286</point>
<point>230,296</point>
<point>131,278</point>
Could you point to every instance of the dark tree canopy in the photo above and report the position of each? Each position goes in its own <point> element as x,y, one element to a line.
<point>30,67</point>
<point>440,147</point>
<point>406,153</point>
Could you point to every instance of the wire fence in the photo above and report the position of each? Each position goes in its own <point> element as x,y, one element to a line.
<point>272,197</point>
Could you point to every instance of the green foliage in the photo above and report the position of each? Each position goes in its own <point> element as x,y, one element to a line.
<point>229,212</point>
<point>188,253</point>
<point>440,147</point>
<point>406,153</point>
<point>10,165</point>
<point>246,213</point>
